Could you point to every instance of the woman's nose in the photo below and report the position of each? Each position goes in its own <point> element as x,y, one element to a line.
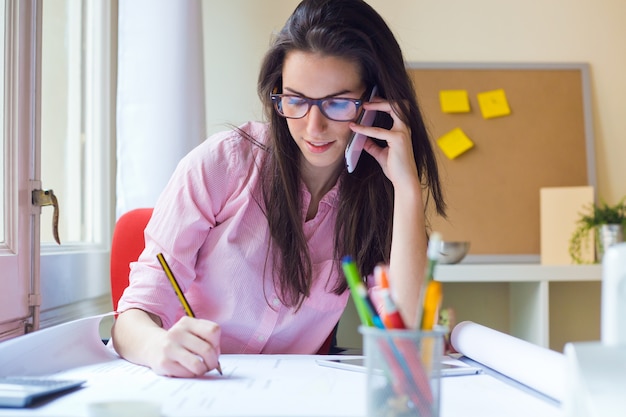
<point>316,121</point>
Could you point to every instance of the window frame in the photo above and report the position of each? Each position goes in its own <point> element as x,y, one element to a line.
<point>49,284</point>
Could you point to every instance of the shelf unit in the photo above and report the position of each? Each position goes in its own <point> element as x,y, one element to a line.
<point>528,294</point>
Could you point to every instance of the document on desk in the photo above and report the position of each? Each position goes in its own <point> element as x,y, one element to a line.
<point>252,385</point>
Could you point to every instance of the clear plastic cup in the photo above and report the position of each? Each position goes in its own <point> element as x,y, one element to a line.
<point>403,372</point>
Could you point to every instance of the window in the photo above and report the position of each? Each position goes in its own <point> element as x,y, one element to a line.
<point>56,119</point>
<point>76,156</point>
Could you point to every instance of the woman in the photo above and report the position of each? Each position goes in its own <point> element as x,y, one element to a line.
<point>255,221</point>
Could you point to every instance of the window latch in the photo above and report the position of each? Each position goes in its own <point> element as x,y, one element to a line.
<point>47,198</point>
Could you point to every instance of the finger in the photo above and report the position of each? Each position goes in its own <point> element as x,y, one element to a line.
<point>208,355</point>
<point>178,360</point>
<point>371,131</point>
<point>378,152</point>
<point>202,338</point>
<point>390,108</point>
<point>194,364</point>
<point>172,365</point>
<point>378,105</point>
<point>375,132</point>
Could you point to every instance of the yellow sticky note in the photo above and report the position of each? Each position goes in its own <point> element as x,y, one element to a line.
<point>454,101</point>
<point>493,104</point>
<point>454,143</point>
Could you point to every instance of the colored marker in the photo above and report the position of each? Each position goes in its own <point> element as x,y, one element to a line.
<point>353,277</point>
<point>434,292</point>
<point>391,315</point>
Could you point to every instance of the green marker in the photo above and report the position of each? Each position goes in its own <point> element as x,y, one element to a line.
<point>353,277</point>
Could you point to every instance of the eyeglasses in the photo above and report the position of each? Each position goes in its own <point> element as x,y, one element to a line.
<point>339,109</point>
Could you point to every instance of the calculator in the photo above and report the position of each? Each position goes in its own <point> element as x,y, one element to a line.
<point>23,391</point>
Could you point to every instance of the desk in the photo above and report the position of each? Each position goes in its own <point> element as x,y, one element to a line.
<point>252,385</point>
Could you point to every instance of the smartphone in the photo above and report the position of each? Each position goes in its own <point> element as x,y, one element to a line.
<point>357,141</point>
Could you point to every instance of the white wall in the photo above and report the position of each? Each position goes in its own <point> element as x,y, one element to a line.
<point>237,35</point>
<point>238,32</point>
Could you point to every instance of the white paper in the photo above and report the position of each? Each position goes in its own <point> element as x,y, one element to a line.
<point>539,368</point>
<point>53,349</point>
<point>252,385</point>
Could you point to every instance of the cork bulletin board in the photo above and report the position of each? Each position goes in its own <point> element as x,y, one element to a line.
<point>492,189</point>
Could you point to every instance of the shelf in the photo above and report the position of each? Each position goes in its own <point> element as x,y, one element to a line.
<point>528,301</point>
<point>517,273</point>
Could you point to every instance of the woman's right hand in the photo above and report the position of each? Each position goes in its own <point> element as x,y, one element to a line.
<point>190,348</point>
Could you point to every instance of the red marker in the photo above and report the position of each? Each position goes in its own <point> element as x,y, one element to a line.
<point>391,316</point>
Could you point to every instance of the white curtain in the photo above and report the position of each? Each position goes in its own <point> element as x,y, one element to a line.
<point>160,96</point>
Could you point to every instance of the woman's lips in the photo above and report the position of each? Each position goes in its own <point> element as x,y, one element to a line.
<point>318,147</point>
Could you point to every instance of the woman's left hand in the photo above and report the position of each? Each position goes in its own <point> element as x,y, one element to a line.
<point>396,159</point>
<point>407,259</point>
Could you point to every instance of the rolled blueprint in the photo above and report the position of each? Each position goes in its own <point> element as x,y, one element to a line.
<point>541,369</point>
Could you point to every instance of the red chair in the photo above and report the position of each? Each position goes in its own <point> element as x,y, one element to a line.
<point>126,246</point>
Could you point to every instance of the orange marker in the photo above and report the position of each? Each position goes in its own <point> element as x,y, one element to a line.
<point>380,274</point>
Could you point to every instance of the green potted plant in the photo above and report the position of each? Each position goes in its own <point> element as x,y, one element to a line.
<point>607,222</point>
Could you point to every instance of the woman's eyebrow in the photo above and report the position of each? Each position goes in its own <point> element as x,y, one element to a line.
<point>292,91</point>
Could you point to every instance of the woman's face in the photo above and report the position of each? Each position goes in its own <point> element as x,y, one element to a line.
<point>322,141</point>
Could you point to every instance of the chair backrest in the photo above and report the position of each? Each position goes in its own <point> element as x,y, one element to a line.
<point>126,246</point>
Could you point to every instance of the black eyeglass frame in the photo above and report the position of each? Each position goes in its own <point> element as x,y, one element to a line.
<point>317,102</point>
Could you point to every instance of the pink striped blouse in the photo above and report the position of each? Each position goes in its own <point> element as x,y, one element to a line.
<point>212,232</point>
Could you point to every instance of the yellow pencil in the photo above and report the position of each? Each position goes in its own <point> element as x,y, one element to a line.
<point>179,293</point>
<point>177,290</point>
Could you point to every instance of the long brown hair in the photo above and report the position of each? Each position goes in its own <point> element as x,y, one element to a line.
<point>352,30</point>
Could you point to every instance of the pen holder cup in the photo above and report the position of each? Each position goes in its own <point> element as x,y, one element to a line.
<point>403,371</point>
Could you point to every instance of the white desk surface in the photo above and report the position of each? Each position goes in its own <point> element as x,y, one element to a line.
<point>252,385</point>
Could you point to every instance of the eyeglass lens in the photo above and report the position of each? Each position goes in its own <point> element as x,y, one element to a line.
<point>340,109</point>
